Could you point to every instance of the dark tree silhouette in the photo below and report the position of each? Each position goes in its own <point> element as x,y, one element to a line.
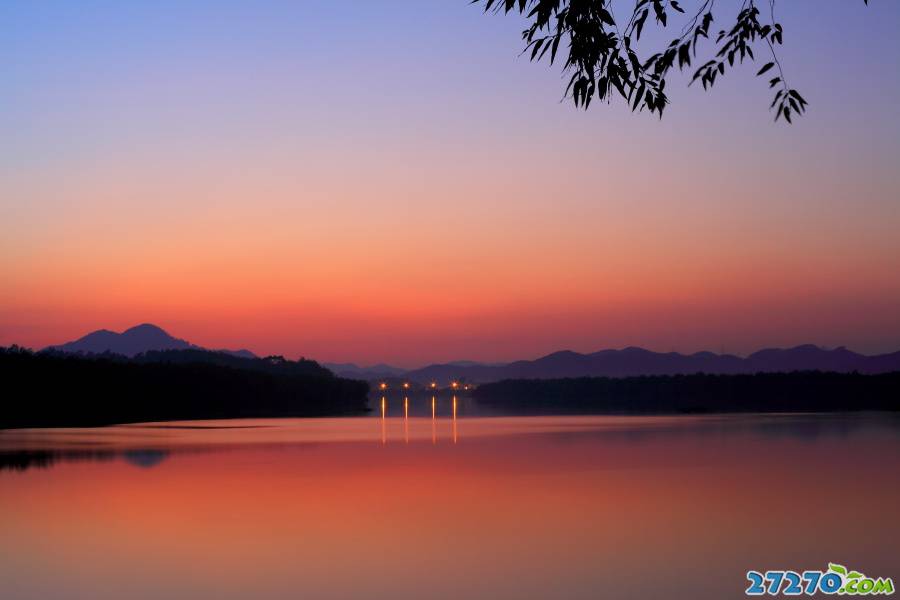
<point>602,56</point>
<point>800,391</point>
<point>56,389</point>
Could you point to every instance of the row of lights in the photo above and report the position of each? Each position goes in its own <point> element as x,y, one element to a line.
<point>433,385</point>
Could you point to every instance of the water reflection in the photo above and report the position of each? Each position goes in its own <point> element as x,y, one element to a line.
<point>411,418</point>
<point>149,445</point>
<point>145,459</point>
<point>22,460</point>
<point>523,507</point>
<point>454,420</point>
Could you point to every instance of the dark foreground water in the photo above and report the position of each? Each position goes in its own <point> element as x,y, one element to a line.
<point>506,507</point>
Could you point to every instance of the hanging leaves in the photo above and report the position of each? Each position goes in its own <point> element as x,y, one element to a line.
<point>601,55</point>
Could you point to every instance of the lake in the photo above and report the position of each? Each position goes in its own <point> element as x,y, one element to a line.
<point>445,507</point>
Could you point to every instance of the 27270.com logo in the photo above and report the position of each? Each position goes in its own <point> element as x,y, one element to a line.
<point>836,580</point>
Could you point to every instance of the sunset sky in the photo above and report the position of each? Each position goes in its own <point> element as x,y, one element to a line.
<point>389,181</point>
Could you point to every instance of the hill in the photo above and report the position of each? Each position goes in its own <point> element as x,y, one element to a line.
<point>131,342</point>
<point>353,371</point>
<point>631,362</point>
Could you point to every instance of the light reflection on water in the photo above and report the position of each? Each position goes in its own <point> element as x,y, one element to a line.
<point>437,505</point>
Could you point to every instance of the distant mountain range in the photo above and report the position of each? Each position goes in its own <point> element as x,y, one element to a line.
<point>638,361</point>
<point>134,341</point>
<point>605,363</point>
<point>352,371</point>
<point>383,371</point>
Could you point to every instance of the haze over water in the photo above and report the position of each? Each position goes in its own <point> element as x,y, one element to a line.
<point>504,507</point>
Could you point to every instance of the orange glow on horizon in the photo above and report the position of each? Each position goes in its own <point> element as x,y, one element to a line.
<point>589,273</point>
<point>267,218</point>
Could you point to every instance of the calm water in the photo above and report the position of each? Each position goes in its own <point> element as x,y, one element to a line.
<point>529,507</point>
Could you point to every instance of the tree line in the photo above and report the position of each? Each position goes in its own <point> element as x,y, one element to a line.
<point>52,389</point>
<point>802,391</point>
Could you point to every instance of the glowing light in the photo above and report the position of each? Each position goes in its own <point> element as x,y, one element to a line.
<point>454,420</point>
<point>406,420</point>
<point>433,385</point>
<point>405,385</point>
<point>383,424</point>
<point>382,386</point>
<point>454,385</point>
<point>433,420</point>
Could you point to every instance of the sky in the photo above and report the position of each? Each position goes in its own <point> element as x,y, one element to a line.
<point>391,182</point>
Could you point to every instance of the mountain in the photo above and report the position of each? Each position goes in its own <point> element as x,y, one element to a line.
<point>353,371</point>
<point>138,339</point>
<point>632,361</point>
<point>627,362</point>
<point>383,371</point>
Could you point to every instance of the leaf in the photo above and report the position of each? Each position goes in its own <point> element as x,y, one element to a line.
<point>798,97</point>
<point>638,96</point>
<point>606,17</point>
<point>765,68</point>
<point>639,26</point>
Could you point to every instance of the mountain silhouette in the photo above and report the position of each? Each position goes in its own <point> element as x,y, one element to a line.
<point>626,362</point>
<point>632,361</point>
<point>131,342</point>
<point>353,371</point>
